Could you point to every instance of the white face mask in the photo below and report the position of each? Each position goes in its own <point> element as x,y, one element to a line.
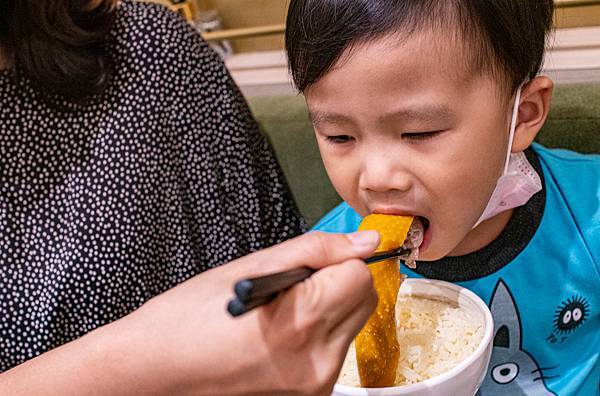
<point>519,181</point>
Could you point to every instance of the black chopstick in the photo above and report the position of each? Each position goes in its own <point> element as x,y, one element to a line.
<point>387,255</point>
<point>236,307</point>
<point>264,286</point>
<point>254,292</point>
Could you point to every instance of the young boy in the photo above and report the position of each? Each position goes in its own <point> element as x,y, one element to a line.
<point>417,107</point>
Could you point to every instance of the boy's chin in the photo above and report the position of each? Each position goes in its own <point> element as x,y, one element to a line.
<point>434,253</point>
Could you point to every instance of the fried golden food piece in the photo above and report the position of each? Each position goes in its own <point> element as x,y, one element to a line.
<point>377,350</point>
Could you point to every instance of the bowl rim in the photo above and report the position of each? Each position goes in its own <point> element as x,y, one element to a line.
<point>453,372</point>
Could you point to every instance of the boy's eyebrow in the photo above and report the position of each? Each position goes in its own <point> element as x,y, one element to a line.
<point>319,117</point>
<point>425,113</point>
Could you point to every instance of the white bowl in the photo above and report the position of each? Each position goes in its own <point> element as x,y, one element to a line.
<point>465,378</point>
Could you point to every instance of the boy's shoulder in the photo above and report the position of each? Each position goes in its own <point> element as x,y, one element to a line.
<point>575,175</point>
<point>573,189</point>
<point>567,156</point>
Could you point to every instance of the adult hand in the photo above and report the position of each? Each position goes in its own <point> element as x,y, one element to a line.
<point>294,345</point>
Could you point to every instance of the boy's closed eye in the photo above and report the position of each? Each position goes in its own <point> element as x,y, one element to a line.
<point>413,136</point>
<point>419,136</point>
<point>339,139</point>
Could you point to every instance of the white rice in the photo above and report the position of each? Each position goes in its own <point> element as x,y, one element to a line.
<point>434,336</point>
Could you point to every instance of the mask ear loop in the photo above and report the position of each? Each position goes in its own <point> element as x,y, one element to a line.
<point>513,125</point>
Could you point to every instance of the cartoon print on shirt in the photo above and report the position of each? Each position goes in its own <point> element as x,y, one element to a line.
<point>571,314</point>
<point>512,371</point>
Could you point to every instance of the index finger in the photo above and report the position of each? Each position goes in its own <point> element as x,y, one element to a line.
<point>315,250</point>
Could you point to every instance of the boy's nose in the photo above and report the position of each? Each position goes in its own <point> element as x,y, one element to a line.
<point>382,174</point>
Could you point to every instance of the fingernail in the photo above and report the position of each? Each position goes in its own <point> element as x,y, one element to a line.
<point>364,239</point>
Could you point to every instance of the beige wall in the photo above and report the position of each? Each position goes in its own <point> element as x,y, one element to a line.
<point>248,13</point>
<point>578,16</point>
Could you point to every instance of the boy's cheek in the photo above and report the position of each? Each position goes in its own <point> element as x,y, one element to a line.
<point>455,217</point>
<point>455,207</point>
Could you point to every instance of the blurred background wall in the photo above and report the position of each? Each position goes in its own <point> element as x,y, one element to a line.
<point>251,13</point>
<point>250,38</point>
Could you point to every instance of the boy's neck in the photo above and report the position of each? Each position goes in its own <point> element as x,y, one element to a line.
<point>483,234</point>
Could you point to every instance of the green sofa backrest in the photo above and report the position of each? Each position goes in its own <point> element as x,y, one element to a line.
<point>573,123</point>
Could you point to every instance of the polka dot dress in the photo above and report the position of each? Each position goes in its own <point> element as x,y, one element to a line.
<point>106,204</point>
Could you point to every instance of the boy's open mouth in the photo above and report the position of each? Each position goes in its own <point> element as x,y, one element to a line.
<point>419,234</point>
<point>425,222</point>
<point>415,239</point>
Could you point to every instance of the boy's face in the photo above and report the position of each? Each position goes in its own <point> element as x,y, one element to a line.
<point>405,129</point>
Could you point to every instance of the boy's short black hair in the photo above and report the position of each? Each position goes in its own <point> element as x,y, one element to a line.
<point>503,37</point>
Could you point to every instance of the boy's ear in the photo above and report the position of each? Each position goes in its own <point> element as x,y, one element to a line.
<point>533,111</point>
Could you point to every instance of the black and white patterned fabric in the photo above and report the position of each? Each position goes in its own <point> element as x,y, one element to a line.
<point>107,203</point>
